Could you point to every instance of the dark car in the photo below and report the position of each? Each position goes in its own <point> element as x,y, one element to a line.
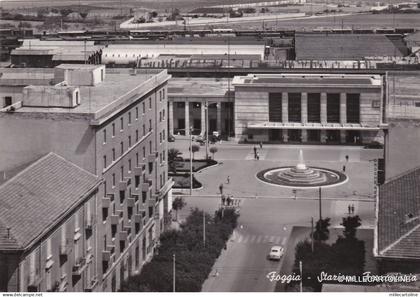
<point>374,145</point>
<point>171,138</point>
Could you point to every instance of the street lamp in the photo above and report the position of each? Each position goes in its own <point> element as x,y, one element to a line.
<point>206,109</point>
<point>191,162</point>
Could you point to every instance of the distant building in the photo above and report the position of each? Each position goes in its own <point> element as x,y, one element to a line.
<point>320,108</point>
<point>49,228</point>
<point>112,125</point>
<point>329,46</point>
<point>50,53</point>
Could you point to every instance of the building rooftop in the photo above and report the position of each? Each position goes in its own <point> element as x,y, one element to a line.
<point>37,197</point>
<point>289,80</point>
<point>190,87</point>
<point>398,225</point>
<point>119,88</point>
<point>343,46</point>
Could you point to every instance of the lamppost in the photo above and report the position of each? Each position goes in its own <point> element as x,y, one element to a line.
<point>191,162</point>
<point>206,109</point>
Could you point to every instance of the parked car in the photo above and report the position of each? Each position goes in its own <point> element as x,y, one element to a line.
<point>171,138</point>
<point>276,252</point>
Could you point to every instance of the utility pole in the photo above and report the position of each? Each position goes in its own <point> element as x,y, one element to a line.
<point>312,234</point>
<point>191,164</point>
<point>173,274</point>
<point>320,204</point>
<point>301,276</point>
<point>207,129</point>
<point>204,229</point>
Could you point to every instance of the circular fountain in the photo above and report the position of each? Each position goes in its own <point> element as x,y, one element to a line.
<point>302,176</point>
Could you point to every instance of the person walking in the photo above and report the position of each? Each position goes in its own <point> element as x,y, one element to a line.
<point>255,150</point>
<point>347,158</point>
<point>221,188</point>
<point>344,168</point>
<point>352,208</point>
<point>260,144</point>
<point>258,156</point>
<point>223,199</point>
<point>228,200</point>
<point>349,207</point>
<point>228,179</point>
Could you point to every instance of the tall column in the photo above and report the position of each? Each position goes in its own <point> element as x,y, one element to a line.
<point>285,107</point>
<point>343,108</point>
<point>323,108</point>
<point>203,118</point>
<point>171,117</point>
<point>285,135</point>
<point>219,117</point>
<point>187,118</point>
<point>342,136</point>
<point>304,108</point>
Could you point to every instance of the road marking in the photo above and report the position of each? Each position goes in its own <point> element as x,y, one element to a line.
<point>259,238</point>
<point>271,239</point>
<point>253,238</point>
<point>267,238</point>
<point>283,241</point>
<point>245,239</point>
<point>278,240</point>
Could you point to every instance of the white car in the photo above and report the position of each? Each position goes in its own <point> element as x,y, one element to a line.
<point>276,252</point>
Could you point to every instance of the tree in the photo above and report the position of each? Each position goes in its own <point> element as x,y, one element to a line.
<point>350,225</point>
<point>178,204</point>
<point>65,12</point>
<point>321,230</point>
<point>213,150</point>
<point>154,14</point>
<point>83,14</point>
<point>195,148</point>
<point>173,155</point>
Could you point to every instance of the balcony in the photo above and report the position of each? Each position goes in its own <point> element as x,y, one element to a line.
<point>152,157</point>
<point>111,196</point>
<point>152,202</point>
<point>91,285</point>
<point>137,218</point>
<point>138,170</point>
<point>123,235</point>
<point>131,202</point>
<point>145,187</point>
<point>106,202</point>
<point>65,249</point>
<point>123,185</point>
<point>115,219</point>
<point>89,222</point>
<point>79,267</point>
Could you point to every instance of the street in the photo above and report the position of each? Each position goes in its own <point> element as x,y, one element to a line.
<point>268,213</point>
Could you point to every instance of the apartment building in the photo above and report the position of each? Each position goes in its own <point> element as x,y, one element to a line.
<point>112,124</point>
<point>48,230</point>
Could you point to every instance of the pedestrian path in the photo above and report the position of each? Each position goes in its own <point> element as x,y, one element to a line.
<point>239,237</point>
<point>262,154</point>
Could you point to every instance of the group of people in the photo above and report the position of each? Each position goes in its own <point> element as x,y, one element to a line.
<point>227,200</point>
<point>351,209</point>
<point>256,154</point>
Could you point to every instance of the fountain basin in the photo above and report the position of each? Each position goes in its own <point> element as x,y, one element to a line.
<point>293,177</point>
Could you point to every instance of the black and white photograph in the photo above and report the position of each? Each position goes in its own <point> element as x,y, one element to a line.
<point>214,146</point>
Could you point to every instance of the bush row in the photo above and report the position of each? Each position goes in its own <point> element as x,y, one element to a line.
<point>194,261</point>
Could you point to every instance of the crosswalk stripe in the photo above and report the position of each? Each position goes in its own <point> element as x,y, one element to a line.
<point>245,239</point>
<point>283,241</point>
<point>272,239</point>
<point>278,240</point>
<point>267,238</point>
<point>253,238</point>
<point>259,238</point>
